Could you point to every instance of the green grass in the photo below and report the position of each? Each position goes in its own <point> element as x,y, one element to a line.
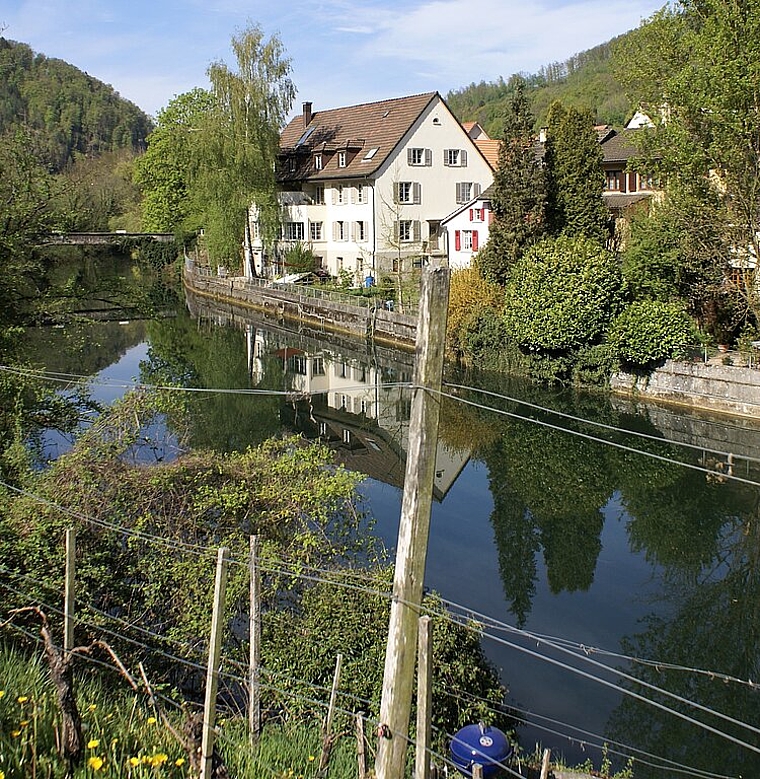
<point>125,738</point>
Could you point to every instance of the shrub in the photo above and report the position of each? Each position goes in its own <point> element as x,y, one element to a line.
<point>649,331</point>
<point>562,294</point>
<point>469,294</point>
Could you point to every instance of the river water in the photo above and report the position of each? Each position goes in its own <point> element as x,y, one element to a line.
<point>596,540</point>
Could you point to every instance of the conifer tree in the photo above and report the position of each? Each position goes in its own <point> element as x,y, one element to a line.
<point>518,193</point>
<point>575,179</point>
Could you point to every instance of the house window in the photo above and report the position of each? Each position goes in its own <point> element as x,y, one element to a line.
<point>346,436</point>
<point>360,233</point>
<point>466,191</point>
<point>293,231</point>
<point>612,180</point>
<point>339,231</point>
<point>466,240</point>
<point>455,158</point>
<point>341,159</point>
<point>338,191</point>
<point>318,367</point>
<point>319,195</point>
<point>318,161</point>
<point>292,164</point>
<point>419,157</point>
<point>297,364</point>
<point>407,230</point>
<point>359,193</point>
<point>477,214</point>
<point>323,429</point>
<point>315,231</point>
<point>370,154</point>
<point>408,192</point>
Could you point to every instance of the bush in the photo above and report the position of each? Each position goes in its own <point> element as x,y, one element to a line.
<point>561,295</point>
<point>595,364</point>
<point>469,294</point>
<point>649,331</point>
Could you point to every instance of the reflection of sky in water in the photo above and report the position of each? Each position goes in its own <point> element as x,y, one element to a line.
<point>116,380</point>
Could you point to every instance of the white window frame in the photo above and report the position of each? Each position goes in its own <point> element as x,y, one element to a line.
<point>315,231</point>
<point>341,159</point>
<point>319,195</point>
<point>293,231</point>
<point>318,162</point>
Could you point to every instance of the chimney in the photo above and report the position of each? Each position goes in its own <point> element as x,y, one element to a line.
<point>306,114</point>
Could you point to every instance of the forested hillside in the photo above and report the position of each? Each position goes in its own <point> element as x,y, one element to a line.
<point>73,113</point>
<point>584,80</point>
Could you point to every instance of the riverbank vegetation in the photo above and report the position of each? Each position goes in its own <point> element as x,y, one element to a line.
<point>575,304</point>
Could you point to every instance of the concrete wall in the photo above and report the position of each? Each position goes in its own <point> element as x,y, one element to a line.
<point>722,388</point>
<point>308,308</point>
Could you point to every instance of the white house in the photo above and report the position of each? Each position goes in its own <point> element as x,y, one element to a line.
<point>467,229</point>
<point>366,187</point>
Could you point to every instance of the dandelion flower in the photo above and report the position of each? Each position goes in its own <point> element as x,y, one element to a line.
<point>151,720</point>
<point>134,761</point>
<point>2,694</point>
<point>157,760</point>
<point>93,743</point>
<point>178,761</point>
<point>2,773</point>
<point>92,707</point>
<point>22,698</point>
<point>96,763</point>
<point>312,758</point>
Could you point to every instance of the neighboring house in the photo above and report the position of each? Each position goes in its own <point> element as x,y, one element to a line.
<point>467,229</point>
<point>366,186</point>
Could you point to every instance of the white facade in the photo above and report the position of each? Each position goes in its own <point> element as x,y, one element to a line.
<point>467,229</point>
<point>368,224</point>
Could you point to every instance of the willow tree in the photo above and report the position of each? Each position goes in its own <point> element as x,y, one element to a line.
<point>239,140</point>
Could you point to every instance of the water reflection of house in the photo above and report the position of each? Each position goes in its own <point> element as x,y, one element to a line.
<point>362,412</point>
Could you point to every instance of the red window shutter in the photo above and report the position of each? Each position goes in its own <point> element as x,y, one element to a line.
<point>490,217</point>
<point>472,214</point>
<point>457,240</point>
<point>474,240</point>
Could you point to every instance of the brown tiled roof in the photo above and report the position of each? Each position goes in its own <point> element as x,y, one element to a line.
<point>489,149</point>
<point>622,200</point>
<point>355,130</point>
<point>620,147</point>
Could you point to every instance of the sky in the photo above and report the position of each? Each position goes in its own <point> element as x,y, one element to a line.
<point>342,52</point>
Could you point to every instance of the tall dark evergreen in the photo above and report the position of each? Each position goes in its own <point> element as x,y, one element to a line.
<point>574,175</point>
<point>518,193</point>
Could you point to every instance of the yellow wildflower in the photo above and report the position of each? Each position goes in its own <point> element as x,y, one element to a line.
<point>2,773</point>
<point>178,761</point>
<point>24,723</point>
<point>96,763</point>
<point>151,720</point>
<point>15,733</point>
<point>93,743</point>
<point>134,761</point>
<point>312,758</point>
<point>157,760</point>
<point>92,707</point>
<point>22,698</point>
<point>2,693</point>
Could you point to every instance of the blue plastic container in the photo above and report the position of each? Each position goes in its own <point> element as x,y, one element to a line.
<point>479,744</point>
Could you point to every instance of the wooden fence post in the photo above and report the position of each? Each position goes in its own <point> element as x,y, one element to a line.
<point>545,764</point>
<point>327,739</point>
<point>361,755</point>
<point>424,698</point>
<point>68,602</point>
<point>254,630</point>
<point>214,656</point>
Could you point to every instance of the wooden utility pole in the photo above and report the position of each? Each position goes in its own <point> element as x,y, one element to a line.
<point>254,632</point>
<point>398,679</point>
<point>212,673</point>
<point>68,602</point>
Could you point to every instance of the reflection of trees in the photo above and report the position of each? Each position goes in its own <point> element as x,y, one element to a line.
<point>185,353</point>
<point>716,627</point>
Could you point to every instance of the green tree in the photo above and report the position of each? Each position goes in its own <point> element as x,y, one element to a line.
<point>575,180</point>
<point>163,172</point>
<point>562,294</point>
<point>239,140</point>
<point>697,65</point>
<point>518,192</point>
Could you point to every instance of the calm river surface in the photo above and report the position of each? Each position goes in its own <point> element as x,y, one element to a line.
<point>585,550</point>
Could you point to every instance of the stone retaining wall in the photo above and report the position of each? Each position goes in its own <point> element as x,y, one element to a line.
<point>722,388</point>
<point>359,321</point>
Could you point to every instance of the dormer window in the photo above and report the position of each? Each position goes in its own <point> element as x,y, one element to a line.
<point>341,159</point>
<point>318,161</point>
